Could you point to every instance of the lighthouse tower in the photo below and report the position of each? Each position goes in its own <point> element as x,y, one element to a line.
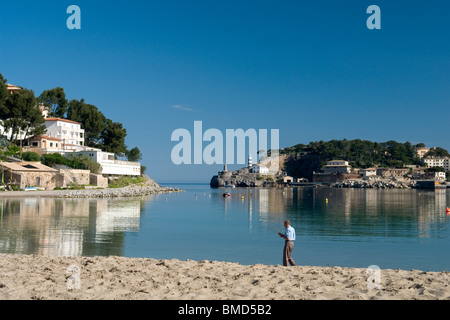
<point>250,161</point>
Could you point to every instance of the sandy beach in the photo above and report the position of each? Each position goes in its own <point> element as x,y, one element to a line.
<point>30,277</point>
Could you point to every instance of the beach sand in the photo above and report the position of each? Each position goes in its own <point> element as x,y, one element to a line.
<point>29,277</point>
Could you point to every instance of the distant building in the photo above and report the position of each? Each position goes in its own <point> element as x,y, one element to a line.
<point>68,131</point>
<point>28,174</point>
<point>110,165</point>
<point>257,168</point>
<point>422,151</point>
<point>368,173</point>
<point>440,176</point>
<point>438,162</point>
<point>12,88</point>
<point>250,161</point>
<point>337,166</point>
<point>44,144</point>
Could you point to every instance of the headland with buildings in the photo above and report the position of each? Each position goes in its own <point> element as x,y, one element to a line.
<point>67,138</point>
<point>340,174</point>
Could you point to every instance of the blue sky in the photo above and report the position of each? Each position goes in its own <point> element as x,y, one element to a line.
<point>311,69</point>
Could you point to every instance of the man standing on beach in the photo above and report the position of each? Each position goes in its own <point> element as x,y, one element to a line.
<point>289,237</point>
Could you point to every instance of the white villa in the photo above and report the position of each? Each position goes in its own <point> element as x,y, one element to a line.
<point>337,166</point>
<point>110,165</point>
<point>438,162</point>
<point>68,131</point>
<point>257,168</point>
<point>67,137</point>
<point>369,172</point>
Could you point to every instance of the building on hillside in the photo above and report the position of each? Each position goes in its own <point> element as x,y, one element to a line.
<point>28,174</point>
<point>34,174</point>
<point>70,132</point>
<point>441,176</point>
<point>438,162</point>
<point>421,152</point>
<point>110,165</point>
<point>369,173</point>
<point>257,168</point>
<point>12,88</point>
<point>337,166</point>
<point>43,144</point>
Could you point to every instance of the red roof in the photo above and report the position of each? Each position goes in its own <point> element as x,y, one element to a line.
<point>45,137</point>
<point>60,119</point>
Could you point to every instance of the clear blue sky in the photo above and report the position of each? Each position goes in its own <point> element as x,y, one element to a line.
<point>311,69</point>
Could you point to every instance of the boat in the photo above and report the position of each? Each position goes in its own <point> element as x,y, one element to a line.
<point>30,189</point>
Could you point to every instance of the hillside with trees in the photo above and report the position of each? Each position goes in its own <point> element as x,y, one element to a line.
<point>301,160</point>
<point>21,113</point>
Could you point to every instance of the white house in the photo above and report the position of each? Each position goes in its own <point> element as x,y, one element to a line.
<point>256,168</point>
<point>440,176</point>
<point>438,162</point>
<point>337,166</point>
<point>369,172</point>
<point>68,131</point>
<point>110,165</point>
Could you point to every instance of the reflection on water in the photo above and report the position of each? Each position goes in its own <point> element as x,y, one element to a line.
<point>362,212</point>
<point>59,227</point>
<point>347,227</point>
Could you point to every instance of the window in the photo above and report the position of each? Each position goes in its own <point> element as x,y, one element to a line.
<point>35,144</point>
<point>51,144</point>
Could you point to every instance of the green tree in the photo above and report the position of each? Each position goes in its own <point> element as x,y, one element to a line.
<point>30,156</point>
<point>21,114</point>
<point>91,119</point>
<point>435,169</point>
<point>55,101</point>
<point>113,138</point>
<point>3,91</point>
<point>437,152</point>
<point>134,154</point>
<point>84,162</point>
<point>52,159</point>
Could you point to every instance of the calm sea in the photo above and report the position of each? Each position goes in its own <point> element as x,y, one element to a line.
<point>405,229</point>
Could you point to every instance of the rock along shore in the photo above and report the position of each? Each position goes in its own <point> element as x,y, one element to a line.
<point>136,190</point>
<point>375,184</point>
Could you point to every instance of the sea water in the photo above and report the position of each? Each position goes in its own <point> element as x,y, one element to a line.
<point>396,229</point>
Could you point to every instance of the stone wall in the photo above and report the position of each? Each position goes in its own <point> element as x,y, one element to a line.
<point>98,180</point>
<point>46,180</point>
<point>67,177</point>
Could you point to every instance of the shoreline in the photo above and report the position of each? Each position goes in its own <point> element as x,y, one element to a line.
<point>137,190</point>
<point>35,277</point>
